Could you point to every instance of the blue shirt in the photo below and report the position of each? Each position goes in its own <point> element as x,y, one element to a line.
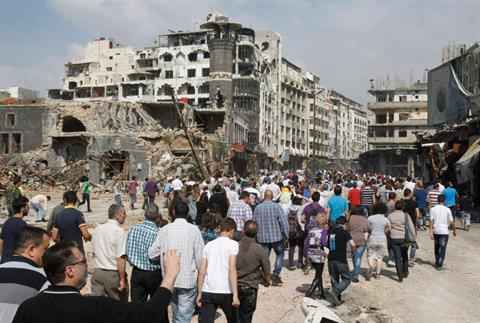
<point>338,206</point>
<point>450,196</point>
<point>272,222</point>
<point>141,237</point>
<point>421,198</point>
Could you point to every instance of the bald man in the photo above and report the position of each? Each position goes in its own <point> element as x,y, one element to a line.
<point>272,226</point>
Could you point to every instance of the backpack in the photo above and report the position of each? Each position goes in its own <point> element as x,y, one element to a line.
<point>293,226</point>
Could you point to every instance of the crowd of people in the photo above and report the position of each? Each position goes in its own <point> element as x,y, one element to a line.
<point>211,249</point>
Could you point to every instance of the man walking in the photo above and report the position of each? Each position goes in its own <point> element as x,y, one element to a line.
<point>13,192</point>
<point>13,227</point>
<point>217,278</point>
<point>187,240</point>
<point>132,192</point>
<point>109,277</point>
<point>367,197</point>
<point>337,205</point>
<point>151,190</point>
<point>441,219</point>
<point>240,212</point>
<point>86,190</point>
<point>22,275</point>
<point>146,275</point>
<point>253,268</point>
<point>272,224</point>
<point>340,275</point>
<point>70,223</point>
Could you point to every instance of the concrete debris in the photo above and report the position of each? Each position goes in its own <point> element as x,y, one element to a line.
<point>111,142</point>
<point>319,311</point>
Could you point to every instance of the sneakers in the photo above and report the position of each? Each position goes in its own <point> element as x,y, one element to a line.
<point>355,280</point>
<point>276,280</point>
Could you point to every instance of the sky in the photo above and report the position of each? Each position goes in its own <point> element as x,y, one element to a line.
<point>345,42</point>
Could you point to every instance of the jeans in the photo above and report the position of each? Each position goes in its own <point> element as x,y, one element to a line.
<point>41,212</point>
<point>339,275</point>
<point>86,198</point>
<point>400,253</point>
<point>440,241</point>
<point>183,304</point>
<point>212,301</point>
<point>413,250</point>
<point>279,252</point>
<point>248,303</point>
<point>357,260</point>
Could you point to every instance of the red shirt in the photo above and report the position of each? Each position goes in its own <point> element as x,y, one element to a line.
<point>354,197</point>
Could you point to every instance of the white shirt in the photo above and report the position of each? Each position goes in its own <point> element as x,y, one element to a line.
<point>441,218</point>
<point>271,187</point>
<point>41,200</point>
<point>324,197</point>
<point>177,184</point>
<point>109,243</point>
<point>410,186</point>
<point>218,253</point>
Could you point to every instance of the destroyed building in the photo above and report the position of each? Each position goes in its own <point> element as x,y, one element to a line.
<point>108,141</point>
<point>235,79</point>
<point>400,116</point>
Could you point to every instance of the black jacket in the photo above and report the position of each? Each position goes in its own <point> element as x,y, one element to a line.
<point>61,304</point>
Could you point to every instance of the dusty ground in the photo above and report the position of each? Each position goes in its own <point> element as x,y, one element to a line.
<point>427,296</point>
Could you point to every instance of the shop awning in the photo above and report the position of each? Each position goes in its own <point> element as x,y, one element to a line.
<point>465,165</point>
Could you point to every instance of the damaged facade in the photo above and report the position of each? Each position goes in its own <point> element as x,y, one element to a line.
<point>452,153</point>
<point>400,115</point>
<point>269,112</point>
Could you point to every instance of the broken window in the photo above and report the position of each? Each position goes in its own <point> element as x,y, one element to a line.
<point>204,88</point>
<point>4,146</point>
<point>71,124</point>
<point>205,72</point>
<point>193,57</point>
<point>167,57</point>
<point>169,74</point>
<point>403,116</point>
<point>206,55</point>
<point>11,120</point>
<point>381,118</point>
<point>109,69</point>
<point>16,143</point>
<point>402,98</point>
<point>402,133</point>
<point>191,72</point>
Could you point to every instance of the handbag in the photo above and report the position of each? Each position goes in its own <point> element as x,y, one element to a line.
<point>409,235</point>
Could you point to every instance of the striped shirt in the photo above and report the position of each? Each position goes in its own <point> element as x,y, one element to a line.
<point>272,222</point>
<point>187,240</point>
<point>367,196</point>
<point>141,237</point>
<point>432,197</point>
<point>20,279</point>
<point>240,212</point>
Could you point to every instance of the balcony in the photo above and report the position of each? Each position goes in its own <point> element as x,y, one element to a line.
<point>392,140</point>
<point>397,105</point>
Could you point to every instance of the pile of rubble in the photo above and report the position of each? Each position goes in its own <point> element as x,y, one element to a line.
<point>33,168</point>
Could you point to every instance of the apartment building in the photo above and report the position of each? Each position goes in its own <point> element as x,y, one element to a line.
<point>400,114</point>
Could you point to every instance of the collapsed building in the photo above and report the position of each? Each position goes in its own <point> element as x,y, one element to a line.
<point>234,78</point>
<point>108,141</point>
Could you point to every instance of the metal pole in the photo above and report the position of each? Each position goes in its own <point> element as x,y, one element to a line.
<point>187,135</point>
<point>314,124</point>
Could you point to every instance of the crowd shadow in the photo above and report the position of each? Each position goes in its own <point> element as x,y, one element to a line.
<point>420,261</point>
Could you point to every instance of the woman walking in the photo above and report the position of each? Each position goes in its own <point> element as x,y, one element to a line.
<point>378,227</point>
<point>400,222</point>
<point>317,240</point>
<point>358,228</point>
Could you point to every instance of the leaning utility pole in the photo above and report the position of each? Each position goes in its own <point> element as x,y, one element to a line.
<point>205,172</point>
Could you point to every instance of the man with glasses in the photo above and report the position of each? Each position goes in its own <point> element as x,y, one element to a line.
<point>22,275</point>
<point>66,267</point>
